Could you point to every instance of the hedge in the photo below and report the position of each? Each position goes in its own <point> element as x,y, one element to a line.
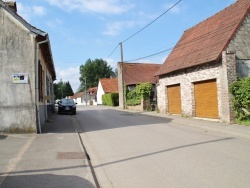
<point>110,99</point>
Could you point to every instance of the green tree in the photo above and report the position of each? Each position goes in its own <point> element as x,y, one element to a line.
<point>62,89</point>
<point>92,71</point>
<point>67,89</point>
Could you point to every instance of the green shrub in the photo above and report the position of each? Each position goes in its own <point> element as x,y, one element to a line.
<point>133,102</point>
<point>141,91</point>
<point>241,101</point>
<point>110,99</point>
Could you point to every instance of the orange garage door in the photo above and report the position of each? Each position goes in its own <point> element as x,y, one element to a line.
<point>174,99</point>
<point>206,102</point>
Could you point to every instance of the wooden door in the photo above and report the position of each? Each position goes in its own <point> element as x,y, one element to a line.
<point>206,99</point>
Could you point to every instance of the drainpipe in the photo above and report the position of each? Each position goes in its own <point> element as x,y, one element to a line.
<point>37,84</point>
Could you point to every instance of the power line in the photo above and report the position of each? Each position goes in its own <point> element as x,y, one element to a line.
<point>188,43</point>
<point>152,21</point>
<point>112,52</point>
<point>161,52</point>
<point>144,28</point>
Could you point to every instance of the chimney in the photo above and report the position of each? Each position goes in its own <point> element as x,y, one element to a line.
<point>11,5</point>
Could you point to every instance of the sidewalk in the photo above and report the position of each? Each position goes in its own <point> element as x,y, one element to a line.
<point>208,124</point>
<point>52,159</point>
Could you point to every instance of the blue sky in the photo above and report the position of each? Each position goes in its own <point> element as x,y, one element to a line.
<point>83,29</point>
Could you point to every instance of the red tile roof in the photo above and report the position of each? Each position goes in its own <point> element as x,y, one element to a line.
<point>109,85</point>
<point>92,91</point>
<point>77,95</point>
<point>135,73</point>
<point>205,42</point>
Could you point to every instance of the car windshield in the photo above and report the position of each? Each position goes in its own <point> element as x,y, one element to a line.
<point>67,101</point>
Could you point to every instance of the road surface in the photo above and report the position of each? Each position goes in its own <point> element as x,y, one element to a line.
<point>133,150</point>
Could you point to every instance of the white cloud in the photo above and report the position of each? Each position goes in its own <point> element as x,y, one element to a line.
<point>27,12</point>
<point>71,74</point>
<point>54,23</point>
<point>112,63</point>
<point>24,11</point>
<point>39,10</point>
<point>116,27</point>
<point>98,6</point>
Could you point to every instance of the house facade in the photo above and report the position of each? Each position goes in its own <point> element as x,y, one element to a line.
<point>27,73</point>
<point>195,78</point>
<point>131,74</point>
<point>88,97</point>
<point>106,85</point>
<point>78,98</point>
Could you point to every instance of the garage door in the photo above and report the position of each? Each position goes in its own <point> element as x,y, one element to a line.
<point>174,99</point>
<point>206,101</point>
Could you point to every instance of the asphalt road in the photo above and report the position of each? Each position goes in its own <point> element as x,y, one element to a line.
<point>131,150</point>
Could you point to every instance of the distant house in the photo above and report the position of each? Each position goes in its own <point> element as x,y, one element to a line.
<point>86,98</point>
<point>78,97</point>
<point>135,73</point>
<point>106,85</point>
<point>27,73</point>
<point>92,96</point>
<point>195,78</point>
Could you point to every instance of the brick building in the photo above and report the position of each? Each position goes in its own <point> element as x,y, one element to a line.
<point>195,78</point>
<point>133,74</point>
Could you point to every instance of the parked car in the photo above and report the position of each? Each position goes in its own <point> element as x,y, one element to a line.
<point>67,106</point>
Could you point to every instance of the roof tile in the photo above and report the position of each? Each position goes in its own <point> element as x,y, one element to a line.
<point>135,73</point>
<point>205,42</point>
<point>109,85</point>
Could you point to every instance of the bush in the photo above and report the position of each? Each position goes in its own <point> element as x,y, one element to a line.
<point>110,99</point>
<point>133,102</point>
<point>141,91</point>
<point>241,101</point>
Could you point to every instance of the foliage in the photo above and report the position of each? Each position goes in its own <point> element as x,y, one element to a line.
<point>92,71</point>
<point>144,90</point>
<point>62,89</point>
<point>141,91</point>
<point>241,101</point>
<point>110,99</point>
<point>133,98</point>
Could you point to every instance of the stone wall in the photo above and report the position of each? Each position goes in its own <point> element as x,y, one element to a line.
<point>240,44</point>
<point>186,78</point>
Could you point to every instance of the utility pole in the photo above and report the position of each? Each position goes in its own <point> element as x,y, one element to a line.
<point>123,80</point>
<point>85,90</point>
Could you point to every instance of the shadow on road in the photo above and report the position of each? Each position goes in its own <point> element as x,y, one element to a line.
<point>90,119</point>
<point>45,180</point>
<point>163,151</point>
<point>2,137</point>
<point>58,124</point>
<point>103,119</point>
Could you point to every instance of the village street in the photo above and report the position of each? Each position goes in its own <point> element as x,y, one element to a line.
<point>130,149</point>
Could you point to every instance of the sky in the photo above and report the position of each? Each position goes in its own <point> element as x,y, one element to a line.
<point>92,29</point>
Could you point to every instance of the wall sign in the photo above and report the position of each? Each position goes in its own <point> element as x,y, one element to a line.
<point>20,78</point>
